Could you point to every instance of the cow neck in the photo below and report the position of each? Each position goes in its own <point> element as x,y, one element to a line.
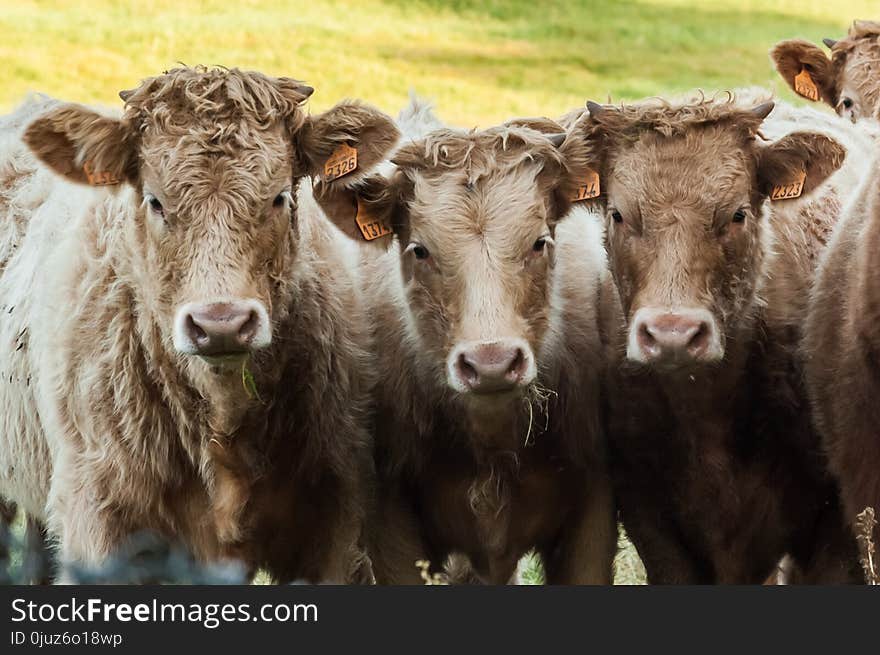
<point>864,303</point>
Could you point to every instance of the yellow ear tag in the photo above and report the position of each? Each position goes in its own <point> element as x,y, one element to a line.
<point>790,190</point>
<point>805,86</point>
<point>589,189</point>
<point>370,226</point>
<point>342,162</point>
<point>98,178</point>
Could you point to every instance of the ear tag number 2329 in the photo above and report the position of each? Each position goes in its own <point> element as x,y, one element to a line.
<point>343,161</point>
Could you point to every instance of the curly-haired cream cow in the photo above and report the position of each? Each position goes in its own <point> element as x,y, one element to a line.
<point>488,342</point>
<point>717,470</point>
<point>848,80</point>
<point>190,349</point>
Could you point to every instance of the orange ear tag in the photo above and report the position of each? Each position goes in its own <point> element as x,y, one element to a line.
<point>342,162</point>
<point>370,226</point>
<point>98,178</point>
<point>589,189</point>
<point>805,86</point>
<point>789,191</point>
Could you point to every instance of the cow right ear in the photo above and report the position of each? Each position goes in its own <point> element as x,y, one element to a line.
<point>83,146</point>
<point>804,65</point>
<point>364,211</point>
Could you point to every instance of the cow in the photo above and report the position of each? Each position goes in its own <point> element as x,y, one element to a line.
<point>841,345</point>
<point>488,341</point>
<point>190,352</point>
<point>848,80</point>
<point>716,468</point>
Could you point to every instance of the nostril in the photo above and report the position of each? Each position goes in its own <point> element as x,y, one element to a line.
<point>466,371</point>
<point>248,329</point>
<point>646,337</point>
<point>517,366</point>
<point>700,341</point>
<point>195,332</point>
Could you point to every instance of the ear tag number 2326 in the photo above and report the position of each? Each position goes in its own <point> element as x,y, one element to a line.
<point>343,161</point>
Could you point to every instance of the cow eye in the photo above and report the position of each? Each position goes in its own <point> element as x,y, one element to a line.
<point>418,250</point>
<point>739,216</point>
<point>281,199</point>
<point>847,103</point>
<point>616,216</point>
<point>539,244</point>
<point>155,205</point>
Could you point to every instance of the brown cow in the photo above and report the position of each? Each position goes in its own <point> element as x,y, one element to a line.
<point>488,320</point>
<point>849,80</point>
<point>198,358</point>
<point>715,466</point>
<point>842,343</point>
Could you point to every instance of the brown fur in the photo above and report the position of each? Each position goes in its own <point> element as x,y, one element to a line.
<point>148,438</point>
<point>848,80</point>
<point>842,345</point>
<point>487,478</point>
<point>715,466</point>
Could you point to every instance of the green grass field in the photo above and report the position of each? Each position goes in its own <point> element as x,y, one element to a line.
<point>481,62</point>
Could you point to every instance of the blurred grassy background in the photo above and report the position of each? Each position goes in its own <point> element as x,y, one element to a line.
<point>481,62</point>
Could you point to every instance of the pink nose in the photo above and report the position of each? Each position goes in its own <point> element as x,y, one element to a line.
<point>683,334</point>
<point>490,367</point>
<point>223,328</point>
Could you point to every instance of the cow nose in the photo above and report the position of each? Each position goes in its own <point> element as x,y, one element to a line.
<point>492,367</point>
<point>222,328</point>
<point>679,335</point>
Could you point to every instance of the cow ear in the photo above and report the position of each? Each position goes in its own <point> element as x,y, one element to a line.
<point>581,150</point>
<point>796,56</point>
<point>83,145</point>
<point>785,161</point>
<point>364,211</point>
<point>344,144</point>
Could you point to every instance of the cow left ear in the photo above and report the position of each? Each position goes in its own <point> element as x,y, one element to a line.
<point>581,149</point>
<point>364,212</point>
<point>784,162</point>
<point>344,144</point>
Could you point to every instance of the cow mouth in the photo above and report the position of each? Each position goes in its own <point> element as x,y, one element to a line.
<point>225,360</point>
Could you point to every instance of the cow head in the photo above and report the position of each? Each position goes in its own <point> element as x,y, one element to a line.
<point>475,214</point>
<point>685,217</point>
<point>214,157</point>
<point>848,80</point>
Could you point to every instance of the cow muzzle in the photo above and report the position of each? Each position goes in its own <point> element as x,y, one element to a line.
<point>222,330</point>
<point>674,336</point>
<point>491,367</point>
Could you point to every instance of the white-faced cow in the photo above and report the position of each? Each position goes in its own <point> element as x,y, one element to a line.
<point>488,342</point>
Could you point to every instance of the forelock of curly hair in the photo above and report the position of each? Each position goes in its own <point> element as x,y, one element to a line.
<point>176,100</point>
<point>479,153</point>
